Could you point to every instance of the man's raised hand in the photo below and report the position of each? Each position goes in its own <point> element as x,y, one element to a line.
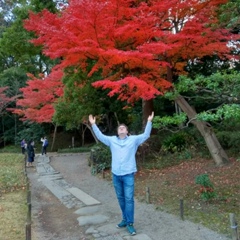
<point>92,119</point>
<point>150,117</point>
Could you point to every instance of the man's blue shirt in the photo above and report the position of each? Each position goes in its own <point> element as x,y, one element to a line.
<point>123,150</point>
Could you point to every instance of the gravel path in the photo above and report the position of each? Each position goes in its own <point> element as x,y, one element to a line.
<point>150,223</point>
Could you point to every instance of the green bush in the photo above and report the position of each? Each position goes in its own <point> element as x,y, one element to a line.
<point>11,149</point>
<point>74,150</point>
<point>229,139</point>
<point>100,158</point>
<point>175,142</point>
<point>206,190</point>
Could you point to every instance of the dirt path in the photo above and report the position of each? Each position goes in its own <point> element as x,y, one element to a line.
<point>53,221</point>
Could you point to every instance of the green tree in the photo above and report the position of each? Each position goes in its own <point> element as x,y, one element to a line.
<point>80,99</point>
<point>17,55</point>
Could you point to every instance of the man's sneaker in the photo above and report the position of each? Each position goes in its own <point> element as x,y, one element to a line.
<point>131,229</point>
<point>122,224</point>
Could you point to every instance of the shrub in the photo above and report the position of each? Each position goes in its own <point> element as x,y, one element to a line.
<point>229,139</point>
<point>11,149</point>
<point>206,190</point>
<point>175,142</point>
<point>100,158</point>
<point>74,150</point>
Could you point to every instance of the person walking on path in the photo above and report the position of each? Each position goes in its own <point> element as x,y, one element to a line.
<point>44,145</point>
<point>123,149</point>
<point>31,153</point>
<point>23,146</point>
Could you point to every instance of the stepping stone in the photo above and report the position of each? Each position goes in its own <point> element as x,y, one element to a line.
<point>45,169</point>
<point>111,229</point>
<point>92,220</point>
<point>141,236</point>
<point>87,210</point>
<point>91,230</point>
<point>58,191</point>
<point>83,197</point>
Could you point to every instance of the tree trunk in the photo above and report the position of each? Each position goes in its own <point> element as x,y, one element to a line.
<point>217,152</point>
<point>90,128</point>
<point>3,138</point>
<point>84,128</point>
<point>54,137</point>
<point>147,108</point>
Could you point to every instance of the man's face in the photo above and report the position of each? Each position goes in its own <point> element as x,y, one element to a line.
<point>122,130</point>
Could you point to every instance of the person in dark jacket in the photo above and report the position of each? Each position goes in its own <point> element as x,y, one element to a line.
<point>31,153</point>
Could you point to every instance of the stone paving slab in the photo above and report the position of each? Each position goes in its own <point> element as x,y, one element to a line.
<point>111,230</point>
<point>87,210</point>
<point>83,197</point>
<point>103,235</point>
<point>42,159</point>
<point>92,219</point>
<point>59,192</point>
<point>52,177</point>
<point>45,169</point>
<point>138,237</point>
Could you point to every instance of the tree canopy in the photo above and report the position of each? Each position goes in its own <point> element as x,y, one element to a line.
<point>140,41</point>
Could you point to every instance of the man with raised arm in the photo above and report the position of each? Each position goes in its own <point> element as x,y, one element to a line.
<point>123,149</point>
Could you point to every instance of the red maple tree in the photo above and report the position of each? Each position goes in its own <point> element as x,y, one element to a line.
<point>38,98</point>
<point>132,41</point>
<point>139,46</point>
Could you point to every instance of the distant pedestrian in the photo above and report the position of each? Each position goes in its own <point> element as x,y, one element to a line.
<point>123,149</point>
<point>44,145</point>
<point>23,146</point>
<point>31,153</point>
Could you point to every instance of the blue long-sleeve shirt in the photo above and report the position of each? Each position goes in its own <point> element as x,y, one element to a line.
<point>123,150</point>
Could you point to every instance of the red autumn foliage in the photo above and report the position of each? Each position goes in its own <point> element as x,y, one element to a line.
<point>132,42</point>
<point>39,97</point>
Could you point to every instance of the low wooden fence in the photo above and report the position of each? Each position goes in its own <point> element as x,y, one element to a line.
<point>28,224</point>
<point>233,222</point>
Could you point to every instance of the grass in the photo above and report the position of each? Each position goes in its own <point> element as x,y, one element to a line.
<point>13,207</point>
<point>11,149</point>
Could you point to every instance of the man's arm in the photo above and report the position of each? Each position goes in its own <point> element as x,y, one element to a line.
<point>141,138</point>
<point>101,137</point>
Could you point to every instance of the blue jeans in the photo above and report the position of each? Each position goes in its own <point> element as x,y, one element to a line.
<point>124,188</point>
